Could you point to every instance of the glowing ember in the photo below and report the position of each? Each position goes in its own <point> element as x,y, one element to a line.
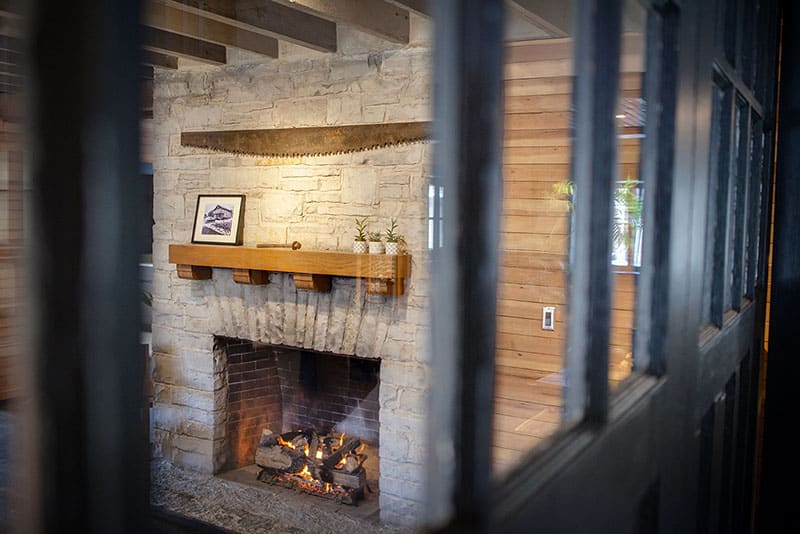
<point>331,470</point>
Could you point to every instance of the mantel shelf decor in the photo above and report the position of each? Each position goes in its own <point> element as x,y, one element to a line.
<point>312,269</point>
<point>311,141</point>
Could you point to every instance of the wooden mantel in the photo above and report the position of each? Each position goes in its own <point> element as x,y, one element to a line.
<point>312,269</point>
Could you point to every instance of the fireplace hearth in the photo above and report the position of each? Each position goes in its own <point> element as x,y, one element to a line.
<point>307,420</point>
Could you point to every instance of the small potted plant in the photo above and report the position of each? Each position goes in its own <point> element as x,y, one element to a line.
<point>375,243</point>
<point>360,240</point>
<point>393,239</point>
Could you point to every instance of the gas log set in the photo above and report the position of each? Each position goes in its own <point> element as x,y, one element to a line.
<point>328,466</point>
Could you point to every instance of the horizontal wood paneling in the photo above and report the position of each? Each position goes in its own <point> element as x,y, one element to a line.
<point>534,243</point>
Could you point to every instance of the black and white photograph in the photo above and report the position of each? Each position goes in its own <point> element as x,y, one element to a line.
<point>218,219</point>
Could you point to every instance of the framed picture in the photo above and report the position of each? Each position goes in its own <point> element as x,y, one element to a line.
<point>218,219</point>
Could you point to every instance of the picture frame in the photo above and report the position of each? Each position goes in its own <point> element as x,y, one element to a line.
<point>219,220</point>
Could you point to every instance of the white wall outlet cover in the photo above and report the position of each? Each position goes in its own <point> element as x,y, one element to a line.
<point>549,318</point>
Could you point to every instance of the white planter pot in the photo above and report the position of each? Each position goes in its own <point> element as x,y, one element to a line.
<point>359,247</point>
<point>393,248</point>
<point>376,247</point>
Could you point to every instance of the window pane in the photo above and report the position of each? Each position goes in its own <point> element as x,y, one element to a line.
<point>628,201</point>
<point>719,174</point>
<point>535,236</point>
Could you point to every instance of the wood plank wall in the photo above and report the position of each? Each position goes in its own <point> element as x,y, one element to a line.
<point>535,244</point>
<point>11,203</point>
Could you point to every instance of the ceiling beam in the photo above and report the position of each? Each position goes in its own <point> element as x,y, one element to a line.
<point>554,18</point>
<point>156,59</point>
<point>173,44</point>
<point>376,17</point>
<point>165,17</point>
<point>266,18</point>
<point>422,8</point>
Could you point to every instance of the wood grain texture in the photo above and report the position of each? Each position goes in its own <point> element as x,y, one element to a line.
<point>312,282</point>
<point>250,277</point>
<point>266,18</point>
<point>292,261</point>
<point>173,44</point>
<point>172,19</point>
<point>534,244</point>
<point>193,272</point>
<point>385,273</point>
<point>377,18</point>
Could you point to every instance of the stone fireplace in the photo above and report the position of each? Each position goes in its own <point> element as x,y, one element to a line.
<point>284,389</point>
<point>313,200</point>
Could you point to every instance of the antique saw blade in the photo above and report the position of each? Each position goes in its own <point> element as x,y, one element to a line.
<point>311,141</point>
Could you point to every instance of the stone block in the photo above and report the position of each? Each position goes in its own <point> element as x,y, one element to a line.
<point>398,511</point>
<point>294,112</point>
<point>202,117</point>
<point>299,184</point>
<point>344,110</point>
<point>168,207</point>
<point>401,155</point>
<point>404,374</point>
<point>181,163</point>
<point>280,205</point>
<point>360,185</point>
<point>196,461</point>
<point>405,489</point>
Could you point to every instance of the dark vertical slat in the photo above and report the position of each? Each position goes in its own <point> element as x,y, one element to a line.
<point>729,453</point>
<point>738,200</point>
<point>740,509</point>
<point>755,190</point>
<point>656,173</point>
<point>779,454</point>
<point>469,127</point>
<point>88,366</point>
<point>597,52</point>
<point>719,174</point>
<point>706,457</point>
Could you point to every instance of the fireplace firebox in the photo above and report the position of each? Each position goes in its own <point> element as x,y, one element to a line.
<point>281,396</point>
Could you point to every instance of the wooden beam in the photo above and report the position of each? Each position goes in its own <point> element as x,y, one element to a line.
<point>266,18</point>
<point>553,17</point>
<point>378,18</point>
<point>165,17</point>
<point>418,7</point>
<point>156,59</point>
<point>179,45</point>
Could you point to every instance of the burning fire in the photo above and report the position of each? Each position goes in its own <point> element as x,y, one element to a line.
<point>309,481</point>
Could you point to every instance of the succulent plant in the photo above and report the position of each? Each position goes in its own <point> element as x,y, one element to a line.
<point>391,233</point>
<point>374,236</point>
<point>361,229</point>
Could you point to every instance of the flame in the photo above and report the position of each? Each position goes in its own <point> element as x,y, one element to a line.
<point>285,443</point>
<point>319,455</point>
<point>306,449</point>
<point>341,439</point>
<point>305,473</point>
<point>341,463</point>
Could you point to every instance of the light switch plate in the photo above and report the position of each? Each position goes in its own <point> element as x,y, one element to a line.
<point>548,318</point>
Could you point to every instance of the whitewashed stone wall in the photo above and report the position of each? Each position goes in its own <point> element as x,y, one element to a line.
<point>313,200</point>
